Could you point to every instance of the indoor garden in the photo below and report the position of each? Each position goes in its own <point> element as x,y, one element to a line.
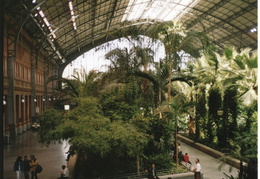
<point>122,120</point>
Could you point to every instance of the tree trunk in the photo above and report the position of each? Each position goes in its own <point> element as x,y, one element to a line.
<point>138,164</point>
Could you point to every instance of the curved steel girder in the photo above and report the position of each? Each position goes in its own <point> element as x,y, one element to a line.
<point>24,21</point>
<point>53,46</point>
<point>232,17</point>
<point>204,14</point>
<point>74,45</point>
<point>84,49</point>
<point>222,22</point>
<point>88,47</point>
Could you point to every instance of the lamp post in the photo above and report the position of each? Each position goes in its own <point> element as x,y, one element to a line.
<point>220,113</point>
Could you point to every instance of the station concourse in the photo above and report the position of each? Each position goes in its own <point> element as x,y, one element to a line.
<point>51,158</point>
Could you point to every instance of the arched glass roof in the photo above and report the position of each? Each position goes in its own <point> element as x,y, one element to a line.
<point>66,29</point>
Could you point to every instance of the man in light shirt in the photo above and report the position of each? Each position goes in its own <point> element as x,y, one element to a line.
<point>64,173</point>
<point>197,169</point>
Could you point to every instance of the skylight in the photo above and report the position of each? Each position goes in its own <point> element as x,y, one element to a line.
<point>157,9</point>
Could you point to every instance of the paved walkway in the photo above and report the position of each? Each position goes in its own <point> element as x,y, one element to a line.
<point>51,158</point>
<point>208,164</point>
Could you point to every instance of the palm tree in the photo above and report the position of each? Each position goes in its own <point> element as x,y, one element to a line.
<point>241,69</point>
<point>240,85</point>
<point>127,62</point>
<point>207,77</point>
<point>176,39</point>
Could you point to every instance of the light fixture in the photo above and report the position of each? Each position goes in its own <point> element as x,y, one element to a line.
<point>35,100</point>
<point>253,30</point>
<point>43,99</point>
<point>46,21</point>
<point>66,107</point>
<point>73,17</point>
<point>23,99</point>
<point>41,14</point>
<point>49,98</point>
<point>4,102</point>
<point>33,1</point>
<point>220,112</point>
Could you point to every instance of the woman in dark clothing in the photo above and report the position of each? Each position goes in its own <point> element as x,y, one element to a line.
<point>18,167</point>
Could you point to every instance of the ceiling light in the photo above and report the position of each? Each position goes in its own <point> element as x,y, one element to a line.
<point>46,21</point>
<point>33,1</point>
<point>41,13</point>
<point>253,30</point>
<point>73,17</point>
<point>53,35</point>
<point>70,6</point>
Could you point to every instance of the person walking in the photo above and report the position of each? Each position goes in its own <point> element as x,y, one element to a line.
<point>18,167</point>
<point>197,169</point>
<point>26,167</point>
<point>33,164</point>
<point>64,173</point>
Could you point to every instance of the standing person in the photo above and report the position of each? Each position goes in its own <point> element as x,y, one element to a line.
<point>70,153</point>
<point>152,172</point>
<point>179,147</point>
<point>26,167</point>
<point>18,167</point>
<point>33,164</point>
<point>64,173</point>
<point>197,169</point>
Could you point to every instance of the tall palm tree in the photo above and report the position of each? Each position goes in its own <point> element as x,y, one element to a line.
<point>128,62</point>
<point>176,39</point>
<point>207,78</point>
<point>240,84</point>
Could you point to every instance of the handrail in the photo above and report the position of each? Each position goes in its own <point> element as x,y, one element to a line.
<point>141,175</point>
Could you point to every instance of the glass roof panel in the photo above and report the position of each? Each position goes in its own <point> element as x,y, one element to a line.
<point>157,9</point>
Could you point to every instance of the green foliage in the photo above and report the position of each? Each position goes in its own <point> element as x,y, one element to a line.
<point>50,120</point>
<point>162,161</point>
<point>91,133</point>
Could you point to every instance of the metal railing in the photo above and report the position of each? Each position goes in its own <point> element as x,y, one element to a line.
<point>141,175</point>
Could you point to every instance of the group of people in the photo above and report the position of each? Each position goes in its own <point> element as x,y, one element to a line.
<point>26,166</point>
<point>152,173</point>
<point>185,158</point>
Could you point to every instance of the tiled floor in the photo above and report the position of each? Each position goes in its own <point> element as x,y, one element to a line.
<point>50,158</point>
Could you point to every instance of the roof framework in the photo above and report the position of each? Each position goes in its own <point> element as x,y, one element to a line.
<point>65,35</point>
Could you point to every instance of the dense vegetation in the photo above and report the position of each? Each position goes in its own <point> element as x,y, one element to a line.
<point>125,118</point>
